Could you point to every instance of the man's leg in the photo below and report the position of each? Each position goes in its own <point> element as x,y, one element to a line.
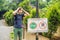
<point>21,30</point>
<point>15,33</point>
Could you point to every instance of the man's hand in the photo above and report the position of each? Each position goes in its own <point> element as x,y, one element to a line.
<point>14,13</point>
<point>18,8</point>
<point>26,14</point>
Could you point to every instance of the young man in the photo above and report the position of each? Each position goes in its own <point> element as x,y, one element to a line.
<point>18,25</point>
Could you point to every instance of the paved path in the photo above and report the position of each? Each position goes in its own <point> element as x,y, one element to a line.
<point>33,37</point>
<point>4,31</point>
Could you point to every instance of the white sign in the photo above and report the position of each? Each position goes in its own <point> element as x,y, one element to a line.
<point>37,25</point>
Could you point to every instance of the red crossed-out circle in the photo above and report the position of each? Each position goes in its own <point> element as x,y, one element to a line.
<point>43,24</point>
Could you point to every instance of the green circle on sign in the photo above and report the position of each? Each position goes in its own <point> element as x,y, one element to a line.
<point>33,25</point>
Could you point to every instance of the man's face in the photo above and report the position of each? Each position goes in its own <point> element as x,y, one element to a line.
<point>20,11</point>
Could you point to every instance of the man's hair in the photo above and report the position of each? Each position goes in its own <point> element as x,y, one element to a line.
<point>19,8</point>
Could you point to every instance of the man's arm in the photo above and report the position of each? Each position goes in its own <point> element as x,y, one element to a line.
<point>14,13</point>
<point>26,13</point>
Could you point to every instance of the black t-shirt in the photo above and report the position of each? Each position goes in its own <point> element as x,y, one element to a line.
<point>18,18</point>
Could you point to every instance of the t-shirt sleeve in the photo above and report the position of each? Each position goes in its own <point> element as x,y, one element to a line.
<point>15,16</point>
<point>23,15</point>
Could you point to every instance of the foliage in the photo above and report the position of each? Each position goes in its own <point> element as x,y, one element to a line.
<point>42,3</point>
<point>6,5</point>
<point>12,35</point>
<point>12,6</point>
<point>25,5</point>
<point>33,12</point>
<point>9,17</point>
<point>53,15</point>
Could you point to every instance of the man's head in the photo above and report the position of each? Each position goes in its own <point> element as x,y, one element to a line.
<point>20,10</point>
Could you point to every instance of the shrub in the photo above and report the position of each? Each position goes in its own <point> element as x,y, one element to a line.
<point>9,17</point>
<point>53,15</point>
<point>12,36</point>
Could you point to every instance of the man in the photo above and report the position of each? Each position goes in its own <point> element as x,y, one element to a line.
<point>18,25</point>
